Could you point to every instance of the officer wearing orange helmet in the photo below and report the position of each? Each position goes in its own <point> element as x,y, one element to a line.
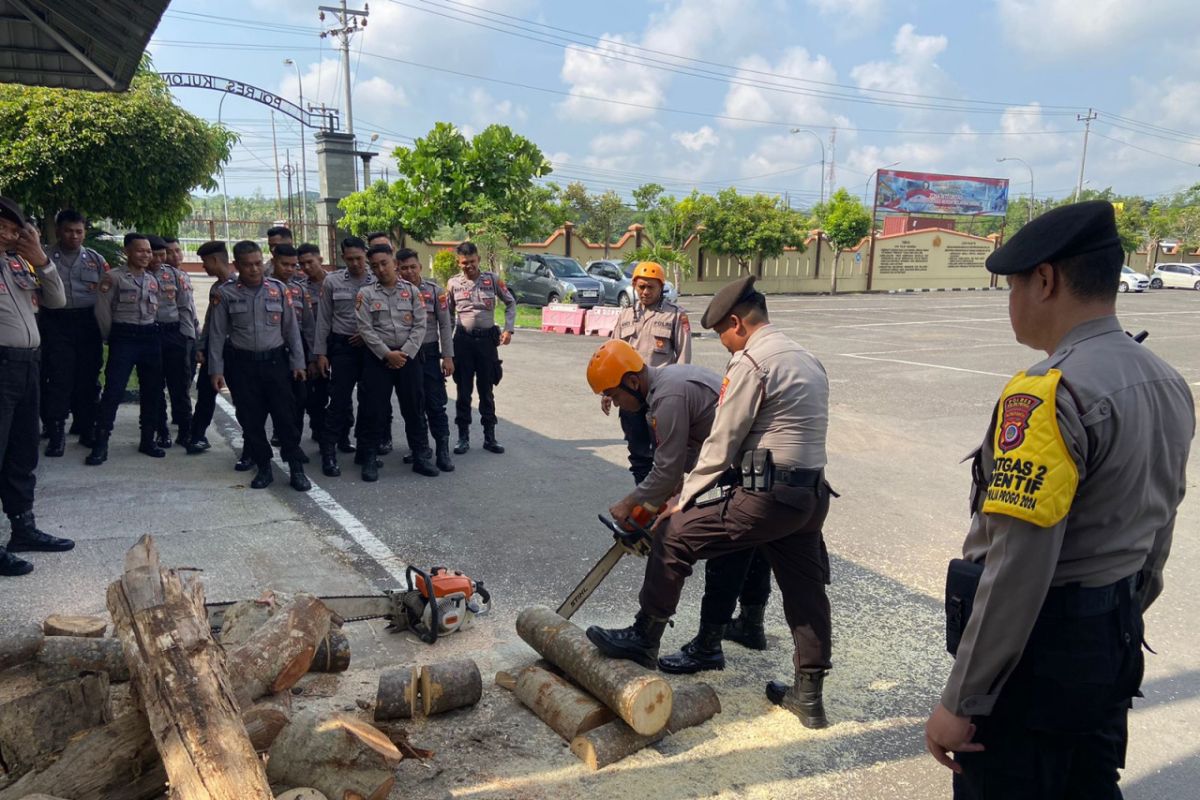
<point>660,333</point>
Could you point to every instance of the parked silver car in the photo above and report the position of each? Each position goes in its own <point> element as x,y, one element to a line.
<point>617,279</point>
<point>1175,276</point>
<point>540,280</point>
<point>1133,281</point>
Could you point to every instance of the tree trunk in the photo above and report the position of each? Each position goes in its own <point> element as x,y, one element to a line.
<point>20,644</point>
<point>280,651</point>
<point>70,625</point>
<point>244,617</point>
<point>181,679</point>
<point>450,685</point>
<point>342,757</point>
<point>264,720</point>
<point>333,652</point>
<point>65,657</point>
<point>693,705</point>
<point>397,695</point>
<point>638,696</point>
<point>566,708</point>
<point>35,727</point>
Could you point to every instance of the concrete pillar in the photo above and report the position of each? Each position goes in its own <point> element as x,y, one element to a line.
<point>568,227</point>
<point>336,169</point>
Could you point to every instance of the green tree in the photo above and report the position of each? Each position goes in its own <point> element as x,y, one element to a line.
<point>668,223</point>
<point>373,209</point>
<point>845,222</point>
<point>745,227</point>
<point>445,266</point>
<point>608,217</point>
<point>132,157</point>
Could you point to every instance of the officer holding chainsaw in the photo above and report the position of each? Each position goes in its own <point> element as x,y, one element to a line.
<point>1077,484</point>
<point>768,440</point>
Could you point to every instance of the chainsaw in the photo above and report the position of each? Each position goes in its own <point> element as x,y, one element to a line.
<point>436,603</point>
<point>631,537</point>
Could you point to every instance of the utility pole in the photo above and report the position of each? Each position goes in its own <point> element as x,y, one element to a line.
<point>1087,129</point>
<point>832,160</point>
<point>278,187</point>
<point>289,169</point>
<point>303,162</point>
<point>348,24</point>
<point>820,142</point>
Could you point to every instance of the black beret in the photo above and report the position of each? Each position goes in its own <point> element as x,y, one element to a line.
<point>209,248</point>
<point>1070,230</point>
<point>157,242</point>
<point>727,299</point>
<point>10,210</point>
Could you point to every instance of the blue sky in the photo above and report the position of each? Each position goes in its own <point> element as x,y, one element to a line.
<point>704,93</point>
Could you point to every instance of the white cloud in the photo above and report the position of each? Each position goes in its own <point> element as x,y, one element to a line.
<point>755,103</point>
<point>488,110</point>
<point>697,140</point>
<point>864,10</point>
<point>618,142</point>
<point>1058,29</point>
<point>914,69</point>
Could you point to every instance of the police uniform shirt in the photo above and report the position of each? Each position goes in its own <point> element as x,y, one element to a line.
<point>308,322</point>
<point>304,306</point>
<point>202,339</point>
<point>681,403</point>
<point>775,395</point>
<point>80,275</point>
<point>1126,419</point>
<point>391,318</point>
<point>661,333</point>
<point>126,299</point>
<point>438,324</point>
<point>255,319</point>
<point>335,310</point>
<point>22,290</point>
<point>175,300</point>
<point>473,301</point>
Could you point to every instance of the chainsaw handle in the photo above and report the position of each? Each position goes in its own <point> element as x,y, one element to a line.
<point>430,636</point>
<point>630,539</point>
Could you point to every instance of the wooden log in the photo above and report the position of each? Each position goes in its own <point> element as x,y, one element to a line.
<point>637,695</point>
<point>75,625</point>
<point>397,694</point>
<point>450,685</point>
<point>244,617</point>
<point>692,705</point>
<point>36,726</point>
<point>182,681</point>
<point>567,709</point>
<point>333,652</point>
<point>40,797</point>
<point>506,680</point>
<point>20,643</point>
<point>302,794</point>
<point>65,657</point>
<point>266,718</point>
<point>280,652</point>
<point>340,756</point>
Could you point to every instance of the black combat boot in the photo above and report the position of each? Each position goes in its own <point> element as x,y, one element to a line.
<point>298,480</point>
<point>197,446</point>
<point>27,538</point>
<point>244,462</point>
<point>385,446</point>
<point>344,445</point>
<point>264,477</point>
<point>423,463</point>
<point>489,440</point>
<point>149,447</point>
<point>803,699</point>
<point>329,464</point>
<point>443,454</point>
<point>184,439</point>
<point>638,642</point>
<point>370,464</point>
<point>701,653</point>
<point>11,565</point>
<point>162,438</point>
<point>88,437</point>
<point>747,630</point>
<point>408,458</point>
<point>58,440</point>
<point>99,452</point>
<point>464,440</point>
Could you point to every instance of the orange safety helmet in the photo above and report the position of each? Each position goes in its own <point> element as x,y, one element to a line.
<point>650,269</point>
<point>610,364</point>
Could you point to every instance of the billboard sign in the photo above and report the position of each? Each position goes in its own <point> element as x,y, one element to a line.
<point>928,193</point>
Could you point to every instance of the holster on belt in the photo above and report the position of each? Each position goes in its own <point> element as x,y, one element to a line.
<point>962,581</point>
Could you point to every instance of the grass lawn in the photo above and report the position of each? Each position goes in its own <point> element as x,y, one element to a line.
<point>527,316</point>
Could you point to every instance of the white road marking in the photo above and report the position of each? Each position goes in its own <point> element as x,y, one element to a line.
<point>379,552</point>
<point>923,364</point>
<point>922,322</point>
<point>929,349</point>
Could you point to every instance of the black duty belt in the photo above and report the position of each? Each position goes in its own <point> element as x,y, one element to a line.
<point>799,476</point>
<point>68,312</point>
<point>430,347</point>
<point>20,353</point>
<point>256,355</point>
<point>482,333</point>
<point>1074,600</point>
<point>129,329</point>
<point>169,326</point>
<point>340,337</point>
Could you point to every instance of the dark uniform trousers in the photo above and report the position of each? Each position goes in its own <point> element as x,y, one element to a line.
<point>177,374</point>
<point>785,523</point>
<point>345,372</point>
<point>261,384</point>
<point>641,444</point>
<point>475,362</point>
<point>72,354</point>
<point>435,390</point>
<point>131,346</point>
<point>316,402</point>
<point>19,389</point>
<point>378,383</point>
<point>1058,728</point>
<point>206,401</point>
<point>744,575</point>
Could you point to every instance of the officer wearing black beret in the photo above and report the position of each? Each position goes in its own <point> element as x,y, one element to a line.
<point>1076,487</point>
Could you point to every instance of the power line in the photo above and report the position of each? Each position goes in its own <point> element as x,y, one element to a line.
<point>1145,150</point>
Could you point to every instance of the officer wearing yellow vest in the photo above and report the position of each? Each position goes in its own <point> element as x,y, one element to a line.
<point>1077,483</point>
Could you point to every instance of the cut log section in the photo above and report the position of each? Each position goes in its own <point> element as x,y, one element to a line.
<point>638,696</point>
<point>182,681</point>
<point>450,685</point>
<point>265,719</point>
<point>397,695</point>
<point>506,680</point>
<point>302,794</point>
<point>65,657</point>
<point>280,651</point>
<point>342,757</point>
<point>19,644</point>
<point>244,617</point>
<point>333,652</point>
<point>73,625</point>
<point>36,726</point>
<point>692,705</point>
<point>567,709</point>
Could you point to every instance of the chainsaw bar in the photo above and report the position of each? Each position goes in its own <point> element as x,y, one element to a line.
<point>349,607</point>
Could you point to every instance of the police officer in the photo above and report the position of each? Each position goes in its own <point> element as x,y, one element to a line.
<point>175,259</point>
<point>177,330</point>
<point>127,313</point>
<point>28,279</point>
<point>659,330</point>
<point>317,384</point>
<point>286,260</point>
<point>472,299</point>
<point>72,350</point>
<point>265,356</point>
<point>277,235</point>
<point>339,349</point>
<point>437,352</point>
<point>771,423</point>
<point>391,322</point>
<point>1077,483</point>
<point>384,445</point>
<point>214,256</point>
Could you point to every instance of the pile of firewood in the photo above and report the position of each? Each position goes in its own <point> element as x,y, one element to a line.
<point>606,709</point>
<point>206,717</point>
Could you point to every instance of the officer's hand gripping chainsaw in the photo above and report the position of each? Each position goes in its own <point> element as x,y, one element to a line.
<point>632,537</point>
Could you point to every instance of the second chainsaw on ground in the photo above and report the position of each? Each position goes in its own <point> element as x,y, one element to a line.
<point>441,601</point>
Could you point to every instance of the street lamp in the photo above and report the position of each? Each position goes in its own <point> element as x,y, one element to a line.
<point>872,175</point>
<point>224,194</point>
<point>1026,163</point>
<point>822,143</point>
<point>303,160</point>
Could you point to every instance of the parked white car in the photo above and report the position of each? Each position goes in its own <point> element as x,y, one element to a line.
<point>1133,281</point>
<point>1175,276</point>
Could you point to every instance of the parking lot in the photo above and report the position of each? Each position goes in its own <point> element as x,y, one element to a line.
<point>913,378</point>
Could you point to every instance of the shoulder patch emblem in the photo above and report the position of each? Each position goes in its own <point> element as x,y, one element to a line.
<point>1014,420</point>
<point>724,386</point>
<point>685,323</point>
